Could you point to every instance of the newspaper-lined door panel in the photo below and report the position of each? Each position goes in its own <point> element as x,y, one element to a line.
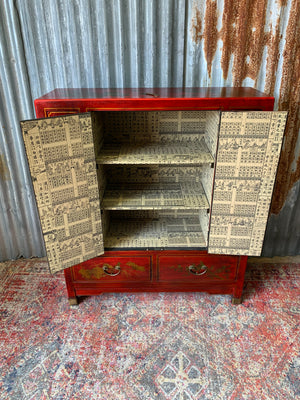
<point>248,154</point>
<point>61,158</point>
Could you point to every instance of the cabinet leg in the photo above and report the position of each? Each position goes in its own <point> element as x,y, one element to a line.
<point>236,300</point>
<point>73,301</point>
<point>238,290</point>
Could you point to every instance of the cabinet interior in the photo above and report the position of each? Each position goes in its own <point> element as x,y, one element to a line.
<point>155,174</point>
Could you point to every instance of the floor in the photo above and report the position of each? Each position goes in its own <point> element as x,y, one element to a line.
<point>172,346</point>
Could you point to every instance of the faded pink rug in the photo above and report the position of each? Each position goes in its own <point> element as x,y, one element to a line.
<point>172,346</point>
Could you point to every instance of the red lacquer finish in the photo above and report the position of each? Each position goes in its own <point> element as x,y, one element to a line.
<point>197,268</point>
<point>157,271</point>
<point>72,101</point>
<point>114,269</point>
<point>167,270</point>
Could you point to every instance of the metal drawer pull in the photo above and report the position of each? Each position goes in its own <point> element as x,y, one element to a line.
<point>198,269</point>
<point>109,269</point>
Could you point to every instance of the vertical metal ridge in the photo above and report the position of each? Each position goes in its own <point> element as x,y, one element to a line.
<point>20,233</point>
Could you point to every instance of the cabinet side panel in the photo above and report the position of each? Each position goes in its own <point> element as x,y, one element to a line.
<point>247,159</point>
<point>61,158</point>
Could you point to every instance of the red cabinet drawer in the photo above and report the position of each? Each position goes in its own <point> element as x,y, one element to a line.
<point>187,268</point>
<point>114,269</point>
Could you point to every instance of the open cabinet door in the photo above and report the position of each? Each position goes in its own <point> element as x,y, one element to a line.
<point>62,163</point>
<point>248,154</point>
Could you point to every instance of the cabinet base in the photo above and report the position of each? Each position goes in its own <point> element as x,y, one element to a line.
<point>157,271</point>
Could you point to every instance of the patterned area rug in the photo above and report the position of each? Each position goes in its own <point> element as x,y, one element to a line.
<point>174,346</point>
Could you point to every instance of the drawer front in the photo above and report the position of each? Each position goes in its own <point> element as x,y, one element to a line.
<point>187,268</point>
<point>114,269</point>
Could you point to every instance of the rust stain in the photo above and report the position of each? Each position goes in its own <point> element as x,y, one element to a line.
<point>228,33</point>
<point>4,171</point>
<point>196,28</point>
<point>243,37</point>
<point>289,99</point>
<point>272,59</point>
<point>210,33</point>
<point>259,38</point>
<point>249,39</point>
<point>283,3</point>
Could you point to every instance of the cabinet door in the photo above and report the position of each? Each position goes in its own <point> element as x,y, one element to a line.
<point>248,154</point>
<point>61,159</point>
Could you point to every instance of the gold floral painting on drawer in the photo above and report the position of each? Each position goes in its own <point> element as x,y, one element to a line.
<point>109,270</point>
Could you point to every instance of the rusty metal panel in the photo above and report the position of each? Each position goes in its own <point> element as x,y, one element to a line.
<point>148,43</point>
<point>235,43</point>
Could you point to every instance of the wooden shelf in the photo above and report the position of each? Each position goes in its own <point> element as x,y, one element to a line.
<point>158,153</point>
<point>168,196</point>
<point>155,233</point>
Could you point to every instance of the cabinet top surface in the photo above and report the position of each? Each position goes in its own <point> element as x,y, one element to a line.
<point>154,93</point>
<point>70,101</point>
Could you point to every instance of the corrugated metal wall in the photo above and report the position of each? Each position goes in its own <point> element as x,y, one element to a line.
<point>148,43</point>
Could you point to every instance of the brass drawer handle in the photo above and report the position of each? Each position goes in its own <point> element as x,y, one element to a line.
<point>109,269</point>
<point>197,269</point>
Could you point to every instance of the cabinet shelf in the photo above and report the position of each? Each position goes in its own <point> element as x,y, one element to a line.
<point>155,233</point>
<point>168,196</point>
<point>156,153</point>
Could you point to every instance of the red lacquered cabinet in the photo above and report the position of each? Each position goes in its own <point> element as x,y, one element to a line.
<point>153,189</point>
